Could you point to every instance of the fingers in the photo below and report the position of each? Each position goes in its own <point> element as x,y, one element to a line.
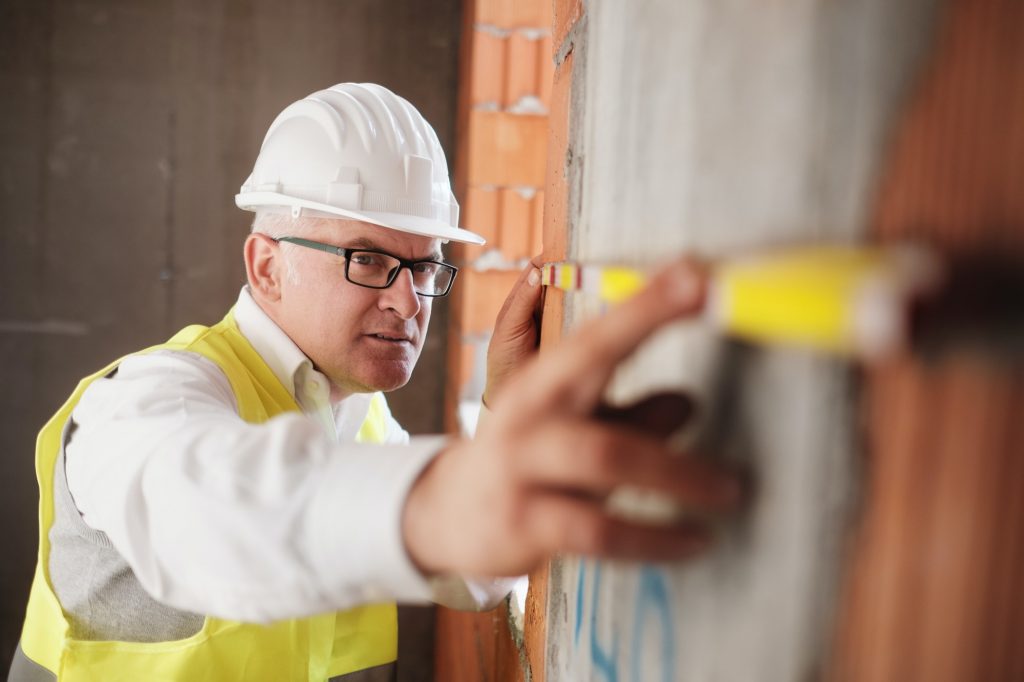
<point>573,375</point>
<point>562,523</point>
<point>660,414</point>
<point>594,459</point>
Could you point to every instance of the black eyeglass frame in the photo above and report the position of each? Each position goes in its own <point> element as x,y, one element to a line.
<point>392,276</point>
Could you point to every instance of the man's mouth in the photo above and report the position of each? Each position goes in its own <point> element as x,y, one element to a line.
<point>390,338</point>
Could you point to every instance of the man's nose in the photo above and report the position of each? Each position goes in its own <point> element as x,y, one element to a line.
<point>401,296</point>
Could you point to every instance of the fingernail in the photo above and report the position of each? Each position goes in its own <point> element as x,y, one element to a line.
<point>533,278</point>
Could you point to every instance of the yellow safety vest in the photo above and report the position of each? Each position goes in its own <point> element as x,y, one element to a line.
<point>314,648</point>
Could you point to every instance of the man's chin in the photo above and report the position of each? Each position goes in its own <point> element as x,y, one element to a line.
<point>385,387</point>
<point>379,381</point>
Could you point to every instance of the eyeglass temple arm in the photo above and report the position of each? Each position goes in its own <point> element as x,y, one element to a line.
<point>299,241</point>
<point>339,251</point>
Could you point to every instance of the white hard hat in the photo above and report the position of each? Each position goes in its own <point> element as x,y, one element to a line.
<point>356,150</point>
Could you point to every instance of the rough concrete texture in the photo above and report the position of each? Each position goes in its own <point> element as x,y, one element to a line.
<point>719,127</point>
<point>126,131</point>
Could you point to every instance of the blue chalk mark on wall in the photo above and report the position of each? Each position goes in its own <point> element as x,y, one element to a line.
<point>606,664</point>
<point>652,608</point>
<point>579,603</point>
<point>652,594</point>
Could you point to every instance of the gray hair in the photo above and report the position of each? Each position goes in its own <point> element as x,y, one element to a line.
<point>274,224</point>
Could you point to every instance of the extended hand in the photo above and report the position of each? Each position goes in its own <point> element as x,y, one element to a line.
<point>535,481</point>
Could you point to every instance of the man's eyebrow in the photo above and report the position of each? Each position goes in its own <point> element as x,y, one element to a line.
<point>364,243</point>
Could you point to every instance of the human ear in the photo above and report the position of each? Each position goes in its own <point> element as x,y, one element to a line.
<point>264,266</point>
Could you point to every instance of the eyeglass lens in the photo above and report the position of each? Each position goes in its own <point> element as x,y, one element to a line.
<point>377,270</point>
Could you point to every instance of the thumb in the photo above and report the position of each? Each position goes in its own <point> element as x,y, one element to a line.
<point>521,307</point>
<point>516,330</point>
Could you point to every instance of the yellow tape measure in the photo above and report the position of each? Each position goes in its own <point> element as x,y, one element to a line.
<point>840,299</point>
<point>612,283</point>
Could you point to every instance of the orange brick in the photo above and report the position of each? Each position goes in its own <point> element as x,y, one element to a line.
<point>521,68</point>
<point>487,70</point>
<point>556,190</point>
<point>567,13</point>
<point>537,225</point>
<point>553,317</point>
<point>506,149</point>
<point>531,13</point>
<point>484,293</point>
<point>494,12</point>
<point>480,214</point>
<point>546,67</point>
<point>514,13</point>
<point>516,215</point>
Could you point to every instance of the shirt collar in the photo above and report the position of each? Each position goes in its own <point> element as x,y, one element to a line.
<point>275,347</point>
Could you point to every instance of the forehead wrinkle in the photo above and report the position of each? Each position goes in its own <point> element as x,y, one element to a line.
<point>366,243</point>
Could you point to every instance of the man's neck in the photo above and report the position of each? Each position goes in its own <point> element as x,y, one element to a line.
<point>338,394</point>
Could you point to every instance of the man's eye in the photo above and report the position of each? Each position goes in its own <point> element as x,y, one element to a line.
<point>365,259</point>
<point>426,268</point>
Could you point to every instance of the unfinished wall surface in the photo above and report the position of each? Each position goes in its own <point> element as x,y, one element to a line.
<point>719,127</point>
<point>127,129</point>
<point>934,589</point>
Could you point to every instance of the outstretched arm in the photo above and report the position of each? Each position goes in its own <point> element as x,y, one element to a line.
<point>535,482</point>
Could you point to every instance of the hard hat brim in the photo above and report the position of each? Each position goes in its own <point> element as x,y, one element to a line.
<point>424,227</point>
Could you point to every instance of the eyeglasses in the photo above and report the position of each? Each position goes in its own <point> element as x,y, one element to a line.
<point>379,270</point>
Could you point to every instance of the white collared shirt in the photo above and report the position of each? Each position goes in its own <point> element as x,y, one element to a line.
<point>252,522</point>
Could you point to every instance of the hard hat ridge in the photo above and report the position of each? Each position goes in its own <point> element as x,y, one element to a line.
<point>356,151</point>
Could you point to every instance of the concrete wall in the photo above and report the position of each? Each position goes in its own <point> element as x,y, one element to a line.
<point>718,127</point>
<point>126,130</point>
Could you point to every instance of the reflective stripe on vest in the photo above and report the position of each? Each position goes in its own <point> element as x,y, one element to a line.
<point>314,649</point>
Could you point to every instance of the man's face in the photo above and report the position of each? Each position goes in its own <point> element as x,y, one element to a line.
<point>362,339</point>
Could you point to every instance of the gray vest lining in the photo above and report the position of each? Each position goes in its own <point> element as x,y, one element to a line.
<point>97,588</point>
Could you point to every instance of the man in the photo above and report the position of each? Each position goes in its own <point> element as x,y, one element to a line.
<point>239,503</point>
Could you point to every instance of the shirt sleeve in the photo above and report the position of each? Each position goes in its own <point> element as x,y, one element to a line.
<point>250,522</point>
<point>470,594</point>
<point>453,591</point>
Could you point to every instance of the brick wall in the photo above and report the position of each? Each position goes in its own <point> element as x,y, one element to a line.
<point>505,97</point>
<point>919,136</point>
<point>505,94</point>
